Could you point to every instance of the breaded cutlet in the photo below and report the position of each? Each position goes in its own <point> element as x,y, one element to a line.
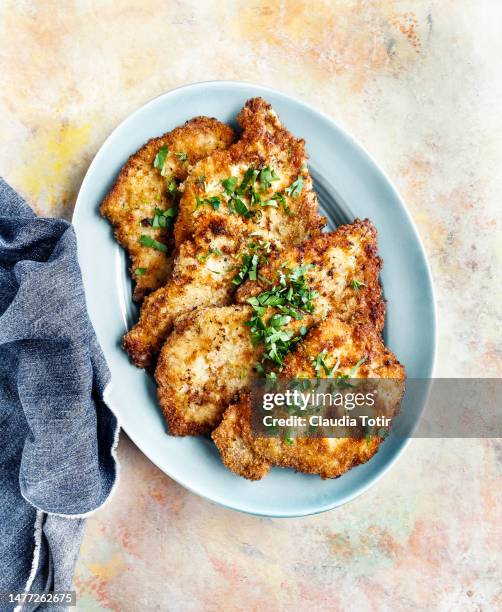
<point>143,202</point>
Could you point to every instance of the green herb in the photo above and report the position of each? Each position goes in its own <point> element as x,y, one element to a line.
<point>181,156</point>
<point>292,298</point>
<point>160,158</point>
<point>288,441</point>
<point>320,363</point>
<point>154,244</point>
<point>203,258</point>
<point>255,198</point>
<point>356,367</point>
<point>269,203</point>
<point>140,271</point>
<point>164,218</point>
<point>213,201</point>
<point>248,179</point>
<point>241,208</point>
<point>229,185</point>
<point>200,180</point>
<point>357,284</point>
<point>368,439</point>
<point>295,188</point>
<point>250,262</point>
<point>279,197</point>
<point>267,175</point>
<point>172,188</point>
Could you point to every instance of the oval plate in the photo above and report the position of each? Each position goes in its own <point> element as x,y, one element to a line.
<point>350,184</point>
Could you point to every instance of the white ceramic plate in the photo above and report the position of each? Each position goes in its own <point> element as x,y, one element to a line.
<point>350,184</point>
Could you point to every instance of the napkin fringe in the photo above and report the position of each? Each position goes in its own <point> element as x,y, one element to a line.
<point>36,554</point>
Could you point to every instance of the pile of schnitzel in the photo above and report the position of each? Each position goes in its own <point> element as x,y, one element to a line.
<point>238,281</point>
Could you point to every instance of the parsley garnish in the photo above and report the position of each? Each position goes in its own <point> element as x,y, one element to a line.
<point>160,158</point>
<point>213,201</point>
<point>164,218</point>
<point>295,188</point>
<point>320,363</point>
<point>250,262</point>
<point>140,271</point>
<point>200,180</point>
<point>241,208</point>
<point>357,284</point>
<point>356,367</point>
<point>172,188</point>
<point>181,156</point>
<point>292,298</point>
<point>249,179</point>
<point>151,242</point>
<point>203,258</point>
<point>267,175</point>
<point>279,197</point>
<point>229,185</point>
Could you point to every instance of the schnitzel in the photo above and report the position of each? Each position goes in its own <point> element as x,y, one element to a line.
<point>238,205</point>
<point>142,204</point>
<point>350,349</point>
<point>215,352</point>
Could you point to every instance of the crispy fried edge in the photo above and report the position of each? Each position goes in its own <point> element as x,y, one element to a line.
<point>146,154</point>
<point>259,123</point>
<point>177,424</point>
<point>369,295</point>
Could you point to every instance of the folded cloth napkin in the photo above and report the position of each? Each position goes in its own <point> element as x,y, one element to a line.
<point>57,436</point>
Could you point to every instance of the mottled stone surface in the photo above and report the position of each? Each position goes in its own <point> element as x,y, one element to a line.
<point>419,83</point>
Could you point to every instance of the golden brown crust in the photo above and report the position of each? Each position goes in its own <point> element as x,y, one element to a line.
<point>201,367</point>
<point>140,188</point>
<point>201,230</point>
<point>202,276</point>
<point>345,273</point>
<point>234,441</point>
<point>264,142</point>
<point>344,344</point>
<point>330,278</point>
<point>206,361</point>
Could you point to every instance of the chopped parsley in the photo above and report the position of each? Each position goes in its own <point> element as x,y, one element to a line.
<point>248,179</point>
<point>250,262</point>
<point>279,197</point>
<point>356,367</point>
<point>295,188</point>
<point>213,201</point>
<point>172,188</point>
<point>229,185</point>
<point>291,297</point>
<point>319,364</point>
<point>182,156</point>
<point>357,284</point>
<point>200,180</point>
<point>267,175</point>
<point>203,258</point>
<point>241,208</point>
<point>255,197</point>
<point>140,271</point>
<point>151,242</point>
<point>160,158</point>
<point>288,441</point>
<point>164,218</point>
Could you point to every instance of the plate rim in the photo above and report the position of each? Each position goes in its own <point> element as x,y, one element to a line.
<point>263,90</point>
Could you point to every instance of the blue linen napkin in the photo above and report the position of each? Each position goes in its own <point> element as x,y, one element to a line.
<point>57,436</point>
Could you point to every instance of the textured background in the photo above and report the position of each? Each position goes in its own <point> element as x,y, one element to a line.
<point>420,85</point>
